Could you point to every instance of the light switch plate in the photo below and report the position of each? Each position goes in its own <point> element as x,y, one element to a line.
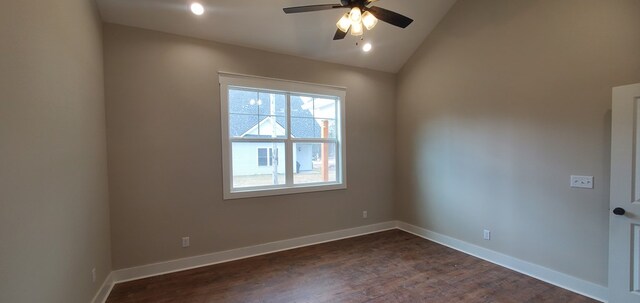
<point>582,181</point>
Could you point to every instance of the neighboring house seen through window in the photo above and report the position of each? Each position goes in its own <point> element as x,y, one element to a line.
<point>295,131</point>
<point>265,156</point>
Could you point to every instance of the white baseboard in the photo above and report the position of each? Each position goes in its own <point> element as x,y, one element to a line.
<point>550,276</point>
<point>559,279</point>
<point>139,272</point>
<point>104,290</point>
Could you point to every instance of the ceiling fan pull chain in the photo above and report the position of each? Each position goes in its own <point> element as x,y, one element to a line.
<point>361,39</point>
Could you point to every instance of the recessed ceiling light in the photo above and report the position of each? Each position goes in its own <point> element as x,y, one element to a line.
<point>367,47</point>
<point>197,8</point>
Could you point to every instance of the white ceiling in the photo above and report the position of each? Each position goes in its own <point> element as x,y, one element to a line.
<point>263,25</point>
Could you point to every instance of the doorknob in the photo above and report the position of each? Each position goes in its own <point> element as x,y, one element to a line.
<point>619,211</point>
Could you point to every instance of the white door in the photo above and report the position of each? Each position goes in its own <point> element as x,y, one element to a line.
<point>624,220</point>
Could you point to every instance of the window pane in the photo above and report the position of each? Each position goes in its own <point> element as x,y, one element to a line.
<point>304,128</point>
<point>326,128</point>
<point>243,102</point>
<point>253,102</point>
<point>313,128</point>
<point>272,104</point>
<point>324,108</point>
<point>301,106</point>
<point>270,127</point>
<point>254,126</point>
<point>242,125</point>
<point>256,114</point>
<point>308,106</point>
<point>314,163</point>
<point>258,164</point>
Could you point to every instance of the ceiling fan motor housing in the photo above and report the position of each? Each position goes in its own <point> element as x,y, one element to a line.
<point>354,3</point>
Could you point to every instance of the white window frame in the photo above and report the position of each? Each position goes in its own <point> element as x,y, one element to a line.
<point>288,87</point>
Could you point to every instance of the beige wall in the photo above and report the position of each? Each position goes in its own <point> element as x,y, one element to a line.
<point>54,213</point>
<point>500,105</point>
<point>165,166</point>
<point>492,114</point>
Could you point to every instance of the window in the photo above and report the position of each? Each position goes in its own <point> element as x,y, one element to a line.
<point>281,137</point>
<point>265,156</point>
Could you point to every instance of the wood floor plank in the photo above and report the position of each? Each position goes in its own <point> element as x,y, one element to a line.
<point>390,266</point>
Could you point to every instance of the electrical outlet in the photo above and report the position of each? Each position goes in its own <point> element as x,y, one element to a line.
<point>364,214</point>
<point>93,275</point>
<point>582,181</point>
<point>185,242</point>
<point>487,234</point>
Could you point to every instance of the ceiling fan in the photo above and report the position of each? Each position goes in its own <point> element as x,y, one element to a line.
<point>361,15</point>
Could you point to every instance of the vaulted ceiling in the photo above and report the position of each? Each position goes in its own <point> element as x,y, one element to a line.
<point>262,24</point>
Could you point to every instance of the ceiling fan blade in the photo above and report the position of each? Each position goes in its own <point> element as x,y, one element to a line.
<point>390,17</point>
<point>340,34</point>
<point>310,8</point>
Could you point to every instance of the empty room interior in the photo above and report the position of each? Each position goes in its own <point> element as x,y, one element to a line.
<point>320,151</point>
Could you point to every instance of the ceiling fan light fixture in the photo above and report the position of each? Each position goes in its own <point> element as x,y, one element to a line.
<point>344,23</point>
<point>369,20</point>
<point>357,29</point>
<point>355,15</point>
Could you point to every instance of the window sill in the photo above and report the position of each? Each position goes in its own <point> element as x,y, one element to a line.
<point>307,188</point>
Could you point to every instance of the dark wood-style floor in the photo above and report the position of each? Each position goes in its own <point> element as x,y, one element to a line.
<point>390,266</point>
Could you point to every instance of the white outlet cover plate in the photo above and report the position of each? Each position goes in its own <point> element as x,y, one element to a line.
<point>581,181</point>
